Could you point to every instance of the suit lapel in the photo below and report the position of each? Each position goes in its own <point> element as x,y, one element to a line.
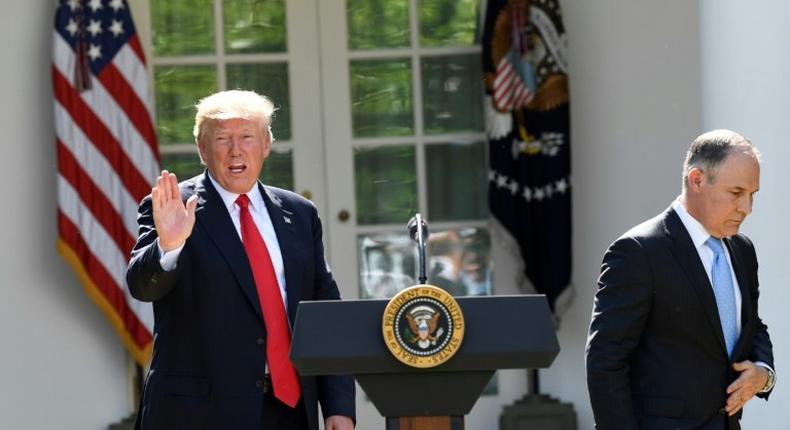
<point>688,258</point>
<point>282,220</point>
<point>212,214</point>
<point>743,286</point>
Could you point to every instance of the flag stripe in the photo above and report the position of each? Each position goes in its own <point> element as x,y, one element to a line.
<point>97,168</point>
<point>134,43</point>
<point>99,242</point>
<point>126,99</point>
<point>504,72</point>
<point>101,208</point>
<point>102,249</point>
<point>85,119</point>
<point>114,118</point>
<point>134,72</point>
<point>103,281</point>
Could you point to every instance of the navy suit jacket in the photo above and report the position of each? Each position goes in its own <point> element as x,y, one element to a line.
<point>656,357</point>
<point>209,337</point>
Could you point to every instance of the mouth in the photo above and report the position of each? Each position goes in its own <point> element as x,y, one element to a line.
<point>237,169</point>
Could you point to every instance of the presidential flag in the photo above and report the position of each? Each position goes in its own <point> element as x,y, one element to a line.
<point>528,129</point>
<point>107,155</point>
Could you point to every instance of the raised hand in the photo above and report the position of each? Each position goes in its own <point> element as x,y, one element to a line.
<point>173,220</point>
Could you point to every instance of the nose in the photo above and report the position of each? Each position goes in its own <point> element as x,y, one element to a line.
<point>745,204</point>
<point>235,146</point>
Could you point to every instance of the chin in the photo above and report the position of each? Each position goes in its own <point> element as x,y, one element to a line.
<point>731,231</point>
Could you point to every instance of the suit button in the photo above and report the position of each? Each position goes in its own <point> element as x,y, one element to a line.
<point>259,341</point>
<point>258,383</point>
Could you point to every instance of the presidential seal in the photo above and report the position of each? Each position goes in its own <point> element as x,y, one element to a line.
<point>423,326</point>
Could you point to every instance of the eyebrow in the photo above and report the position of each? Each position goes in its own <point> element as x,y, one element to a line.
<point>740,188</point>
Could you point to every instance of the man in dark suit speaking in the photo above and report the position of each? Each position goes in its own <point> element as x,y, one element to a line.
<point>225,261</point>
<point>676,341</point>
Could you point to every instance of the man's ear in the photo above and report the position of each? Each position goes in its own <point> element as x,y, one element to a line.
<point>695,179</point>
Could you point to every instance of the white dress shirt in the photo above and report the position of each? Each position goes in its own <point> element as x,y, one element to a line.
<point>260,215</point>
<point>699,235</point>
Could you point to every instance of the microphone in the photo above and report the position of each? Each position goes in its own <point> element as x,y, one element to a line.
<point>415,221</point>
<point>418,230</point>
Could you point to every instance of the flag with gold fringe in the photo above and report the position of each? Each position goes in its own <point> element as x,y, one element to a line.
<point>107,155</point>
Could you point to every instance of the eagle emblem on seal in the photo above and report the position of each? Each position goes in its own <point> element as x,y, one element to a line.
<point>423,329</point>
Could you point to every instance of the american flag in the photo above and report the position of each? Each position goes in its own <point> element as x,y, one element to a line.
<point>107,155</point>
<point>514,81</point>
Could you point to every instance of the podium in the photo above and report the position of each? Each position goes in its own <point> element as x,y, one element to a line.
<point>501,332</point>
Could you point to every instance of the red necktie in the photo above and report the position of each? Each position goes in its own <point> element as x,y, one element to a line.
<point>278,336</point>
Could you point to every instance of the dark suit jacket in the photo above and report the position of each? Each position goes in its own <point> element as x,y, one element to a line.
<point>209,342</point>
<point>656,357</point>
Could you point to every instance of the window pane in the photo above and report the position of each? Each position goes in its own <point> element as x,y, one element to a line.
<point>452,94</point>
<point>457,181</point>
<point>182,27</point>
<point>278,169</point>
<point>378,24</point>
<point>178,88</point>
<point>254,26</point>
<point>386,184</point>
<point>448,22</point>
<point>270,80</point>
<point>460,261</point>
<point>387,264</point>
<point>184,166</point>
<point>381,98</point>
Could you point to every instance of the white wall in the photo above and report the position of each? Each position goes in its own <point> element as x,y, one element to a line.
<point>635,106</point>
<point>745,60</point>
<point>61,365</point>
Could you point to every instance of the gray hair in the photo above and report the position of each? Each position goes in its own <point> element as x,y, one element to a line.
<point>709,150</point>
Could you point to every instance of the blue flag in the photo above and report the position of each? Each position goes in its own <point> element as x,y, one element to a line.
<point>528,129</point>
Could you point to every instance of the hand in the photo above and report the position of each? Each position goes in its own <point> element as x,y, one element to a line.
<point>173,220</point>
<point>751,380</point>
<point>339,422</point>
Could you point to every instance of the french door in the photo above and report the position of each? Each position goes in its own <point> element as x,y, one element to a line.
<point>380,116</point>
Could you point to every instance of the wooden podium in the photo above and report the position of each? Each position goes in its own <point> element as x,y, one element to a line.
<point>345,337</point>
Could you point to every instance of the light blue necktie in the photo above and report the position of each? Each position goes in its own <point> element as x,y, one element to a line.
<point>724,291</point>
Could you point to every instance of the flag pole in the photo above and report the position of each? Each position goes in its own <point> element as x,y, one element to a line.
<point>533,381</point>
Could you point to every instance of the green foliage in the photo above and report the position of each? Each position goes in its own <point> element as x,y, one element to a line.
<point>376,24</point>
<point>449,22</point>
<point>182,27</point>
<point>386,184</point>
<point>457,181</point>
<point>178,88</point>
<point>278,169</point>
<point>270,79</point>
<point>452,93</point>
<point>381,97</point>
<point>254,26</point>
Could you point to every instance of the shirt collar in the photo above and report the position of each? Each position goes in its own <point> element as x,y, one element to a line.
<point>229,198</point>
<point>695,229</point>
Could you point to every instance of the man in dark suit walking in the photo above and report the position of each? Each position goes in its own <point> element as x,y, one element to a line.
<point>676,341</point>
<point>225,261</point>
